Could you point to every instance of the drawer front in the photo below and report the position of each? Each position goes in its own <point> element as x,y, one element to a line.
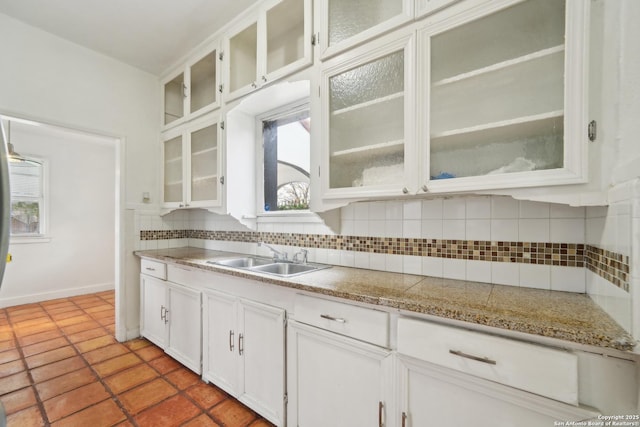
<point>153,268</point>
<point>545,371</point>
<point>357,322</point>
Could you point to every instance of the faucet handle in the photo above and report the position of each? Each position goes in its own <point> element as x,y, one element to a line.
<point>304,253</point>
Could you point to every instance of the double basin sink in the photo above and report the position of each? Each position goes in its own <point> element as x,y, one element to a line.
<point>282,268</point>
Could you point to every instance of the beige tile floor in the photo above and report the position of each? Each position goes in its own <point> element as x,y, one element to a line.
<point>60,365</point>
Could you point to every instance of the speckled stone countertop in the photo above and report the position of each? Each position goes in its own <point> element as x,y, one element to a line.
<point>562,315</point>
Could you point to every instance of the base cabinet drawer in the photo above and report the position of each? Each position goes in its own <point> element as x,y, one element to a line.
<point>541,370</point>
<point>361,323</point>
<point>153,268</point>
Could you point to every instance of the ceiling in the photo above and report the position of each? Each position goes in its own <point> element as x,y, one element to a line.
<point>148,34</point>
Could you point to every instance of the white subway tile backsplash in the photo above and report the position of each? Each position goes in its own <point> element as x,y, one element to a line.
<point>432,266</point>
<point>597,211</point>
<point>322,256</point>
<point>530,209</point>
<point>361,211</point>
<point>378,261</point>
<point>569,230</point>
<point>432,209</point>
<point>504,230</point>
<point>478,207</point>
<point>535,276</point>
<point>334,256</point>
<point>478,229</point>
<point>454,269</point>
<point>377,228</point>
<point>393,228</point>
<point>347,227</point>
<point>348,212</point>
<point>623,234</point>
<point>411,264</point>
<point>412,228</point>
<point>565,211</point>
<point>394,263</point>
<point>432,229</point>
<point>361,260</point>
<point>377,210</point>
<point>505,273</point>
<point>478,271</point>
<point>454,229</point>
<point>533,230</point>
<point>454,208</point>
<point>504,207</point>
<point>412,210</point>
<point>594,228</point>
<point>347,258</point>
<point>361,228</point>
<point>394,210</point>
<point>568,279</point>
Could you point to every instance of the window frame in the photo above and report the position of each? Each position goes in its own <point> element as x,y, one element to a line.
<point>289,109</point>
<point>42,235</point>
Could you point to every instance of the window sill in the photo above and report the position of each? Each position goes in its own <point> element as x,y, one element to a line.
<point>25,240</point>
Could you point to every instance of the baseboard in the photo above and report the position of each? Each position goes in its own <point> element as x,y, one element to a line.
<point>59,293</point>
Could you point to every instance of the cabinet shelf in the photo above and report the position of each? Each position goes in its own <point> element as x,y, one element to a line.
<point>500,65</point>
<point>173,160</point>
<point>204,151</point>
<point>173,183</point>
<point>497,125</point>
<point>204,178</point>
<point>368,104</point>
<point>366,152</point>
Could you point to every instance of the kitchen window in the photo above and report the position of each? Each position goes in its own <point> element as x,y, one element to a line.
<point>27,197</point>
<point>286,143</point>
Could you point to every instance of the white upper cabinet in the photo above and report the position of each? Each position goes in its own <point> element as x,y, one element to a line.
<point>367,120</point>
<point>274,42</point>
<point>192,90</point>
<point>427,7</point>
<point>502,99</point>
<point>192,165</point>
<point>346,23</point>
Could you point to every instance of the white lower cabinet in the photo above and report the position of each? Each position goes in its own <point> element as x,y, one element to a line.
<point>171,318</point>
<point>244,346</point>
<point>336,381</point>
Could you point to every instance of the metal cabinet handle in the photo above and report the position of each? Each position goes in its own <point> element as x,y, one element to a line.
<point>185,90</point>
<point>380,408</point>
<point>150,269</point>
<point>166,317</point>
<point>162,313</point>
<point>404,419</point>
<point>240,344</point>
<point>335,319</point>
<point>472,357</point>
<point>231,340</point>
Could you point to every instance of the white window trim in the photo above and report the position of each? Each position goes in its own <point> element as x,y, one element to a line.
<point>298,215</point>
<point>43,236</point>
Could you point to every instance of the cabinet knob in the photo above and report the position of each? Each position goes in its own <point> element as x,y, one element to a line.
<point>425,188</point>
<point>254,85</point>
<point>264,79</point>
<point>405,190</point>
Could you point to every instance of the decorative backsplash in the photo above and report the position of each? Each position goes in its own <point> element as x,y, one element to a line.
<point>609,265</point>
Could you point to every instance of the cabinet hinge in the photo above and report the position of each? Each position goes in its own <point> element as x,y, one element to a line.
<point>222,180</point>
<point>222,124</point>
<point>220,88</point>
<point>315,39</point>
<point>318,171</point>
<point>592,130</point>
<point>286,398</point>
<point>221,55</point>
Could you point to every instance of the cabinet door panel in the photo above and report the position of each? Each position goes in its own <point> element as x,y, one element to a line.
<point>221,337</point>
<point>173,165</point>
<point>336,381</point>
<point>153,303</point>
<point>185,326</point>
<point>262,347</point>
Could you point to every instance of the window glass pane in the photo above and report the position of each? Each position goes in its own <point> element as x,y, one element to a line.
<point>25,217</point>
<point>287,162</point>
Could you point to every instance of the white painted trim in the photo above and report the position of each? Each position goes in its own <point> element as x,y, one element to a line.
<point>63,293</point>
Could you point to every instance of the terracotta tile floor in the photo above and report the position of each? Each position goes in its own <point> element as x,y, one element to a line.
<point>60,365</point>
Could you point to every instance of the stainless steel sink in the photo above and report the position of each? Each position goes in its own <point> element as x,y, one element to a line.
<point>287,268</point>
<point>268,266</point>
<point>243,262</point>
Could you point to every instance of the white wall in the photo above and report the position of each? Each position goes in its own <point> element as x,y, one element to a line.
<point>48,79</point>
<point>78,255</point>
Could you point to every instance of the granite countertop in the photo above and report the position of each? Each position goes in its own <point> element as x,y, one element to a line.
<point>563,315</point>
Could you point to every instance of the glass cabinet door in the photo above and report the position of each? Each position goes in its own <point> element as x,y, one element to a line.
<point>348,22</point>
<point>243,58</point>
<point>173,166</point>
<point>496,94</point>
<point>204,174</point>
<point>368,111</point>
<point>203,83</point>
<point>174,94</point>
<point>286,33</point>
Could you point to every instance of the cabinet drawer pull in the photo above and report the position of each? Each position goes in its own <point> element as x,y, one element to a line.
<point>240,344</point>
<point>380,408</point>
<point>150,269</point>
<point>166,318</point>
<point>162,312</point>
<point>230,340</point>
<point>335,319</point>
<point>404,419</point>
<point>472,357</point>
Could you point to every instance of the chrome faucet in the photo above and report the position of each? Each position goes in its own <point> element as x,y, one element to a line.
<point>277,255</point>
<point>302,252</point>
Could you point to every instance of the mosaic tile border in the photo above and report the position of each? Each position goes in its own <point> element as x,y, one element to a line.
<point>611,266</point>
